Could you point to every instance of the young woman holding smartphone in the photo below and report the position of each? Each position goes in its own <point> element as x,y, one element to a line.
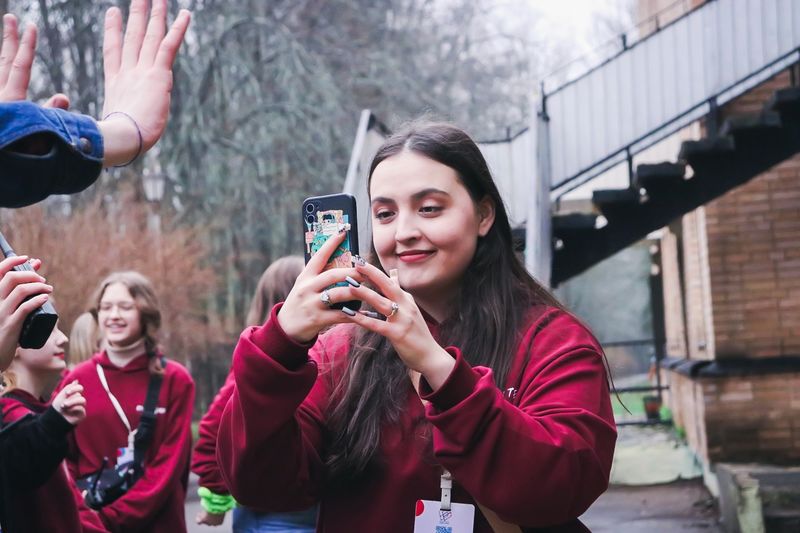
<point>477,379</point>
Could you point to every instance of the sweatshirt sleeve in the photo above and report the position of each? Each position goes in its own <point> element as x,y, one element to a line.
<point>545,460</point>
<point>204,457</point>
<point>271,427</point>
<point>167,462</point>
<point>32,448</point>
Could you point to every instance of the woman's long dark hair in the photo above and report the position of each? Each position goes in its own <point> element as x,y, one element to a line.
<point>486,321</point>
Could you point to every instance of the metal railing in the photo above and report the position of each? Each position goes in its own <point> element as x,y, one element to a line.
<point>663,82</point>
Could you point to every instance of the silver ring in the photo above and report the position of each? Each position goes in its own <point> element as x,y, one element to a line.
<point>395,308</point>
<point>326,298</point>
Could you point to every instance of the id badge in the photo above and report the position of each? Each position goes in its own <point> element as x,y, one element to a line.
<point>124,455</point>
<point>432,519</point>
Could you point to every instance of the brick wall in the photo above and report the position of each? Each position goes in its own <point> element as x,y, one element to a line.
<point>753,235</point>
<point>741,293</point>
<point>666,10</point>
<point>739,419</point>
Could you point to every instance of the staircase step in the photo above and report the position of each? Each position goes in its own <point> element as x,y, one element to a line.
<point>574,223</point>
<point>659,175</point>
<point>785,101</point>
<point>518,238</point>
<point>751,124</point>
<point>610,201</point>
<point>705,154</point>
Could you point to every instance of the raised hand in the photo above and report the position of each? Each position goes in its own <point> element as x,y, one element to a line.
<point>138,77</point>
<point>16,61</point>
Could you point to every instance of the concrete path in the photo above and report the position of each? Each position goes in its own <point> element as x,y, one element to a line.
<point>676,507</point>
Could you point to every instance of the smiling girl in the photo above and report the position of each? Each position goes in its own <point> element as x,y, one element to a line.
<point>56,506</point>
<point>464,372</point>
<point>116,382</point>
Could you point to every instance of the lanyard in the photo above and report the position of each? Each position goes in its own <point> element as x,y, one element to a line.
<point>446,485</point>
<point>117,407</point>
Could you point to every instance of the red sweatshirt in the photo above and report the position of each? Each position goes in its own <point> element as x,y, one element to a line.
<point>539,461</point>
<point>204,458</point>
<point>156,501</point>
<point>57,506</point>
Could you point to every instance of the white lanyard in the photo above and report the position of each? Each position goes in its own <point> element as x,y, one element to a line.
<point>446,485</point>
<point>117,407</point>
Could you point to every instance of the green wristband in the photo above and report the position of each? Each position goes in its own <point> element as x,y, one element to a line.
<point>215,503</point>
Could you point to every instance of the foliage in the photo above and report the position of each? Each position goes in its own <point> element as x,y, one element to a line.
<point>80,249</point>
<point>265,104</point>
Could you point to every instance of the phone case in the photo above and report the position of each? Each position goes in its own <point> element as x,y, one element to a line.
<point>323,216</point>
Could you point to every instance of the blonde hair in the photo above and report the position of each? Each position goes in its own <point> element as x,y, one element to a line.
<point>273,287</point>
<point>144,295</point>
<point>84,338</point>
<point>9,381</point>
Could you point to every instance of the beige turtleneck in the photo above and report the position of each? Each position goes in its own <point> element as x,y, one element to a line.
<point>122,355</point>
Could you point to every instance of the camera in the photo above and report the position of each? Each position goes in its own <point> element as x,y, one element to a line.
<point>40,322</point>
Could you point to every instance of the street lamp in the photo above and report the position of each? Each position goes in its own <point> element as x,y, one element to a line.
<point>153,182</point>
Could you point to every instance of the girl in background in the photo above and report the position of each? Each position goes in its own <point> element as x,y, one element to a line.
<point>57,506</point>
<point>84,339</point>
<point>273,287</point>
<point>116,382</point>
<point>462,371</point>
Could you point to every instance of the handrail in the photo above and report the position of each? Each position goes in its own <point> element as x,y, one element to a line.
<point>658,133</point>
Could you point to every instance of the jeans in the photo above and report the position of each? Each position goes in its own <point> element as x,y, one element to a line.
<point>248,521</point>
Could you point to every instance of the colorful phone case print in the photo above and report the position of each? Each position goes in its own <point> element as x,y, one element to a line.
<point>329,223</point>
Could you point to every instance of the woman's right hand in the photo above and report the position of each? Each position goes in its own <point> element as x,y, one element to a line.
<point>138,73</point>
<point>15,287</point>
<point>303,314</point>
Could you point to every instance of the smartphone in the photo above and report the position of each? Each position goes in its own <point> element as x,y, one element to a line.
<point>40,322</point>
<point>323,216</point>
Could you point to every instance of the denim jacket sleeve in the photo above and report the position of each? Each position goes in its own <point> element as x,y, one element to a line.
<point>70,161</point>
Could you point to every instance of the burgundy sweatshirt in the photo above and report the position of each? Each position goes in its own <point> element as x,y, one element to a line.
<point>538,461</point>
<point>204,457</point>
<point>155,503</point>
<point>57,506</point>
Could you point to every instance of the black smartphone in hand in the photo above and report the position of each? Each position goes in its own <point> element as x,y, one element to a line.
<point>324,216</point>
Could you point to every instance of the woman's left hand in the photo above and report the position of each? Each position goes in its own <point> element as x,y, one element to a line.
<point>405,328</point>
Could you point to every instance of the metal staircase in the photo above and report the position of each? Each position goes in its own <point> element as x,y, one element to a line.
<point>746,146</point>
<point>645,93</point>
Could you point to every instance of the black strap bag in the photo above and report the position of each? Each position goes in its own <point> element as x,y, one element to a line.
<point>108,484</point>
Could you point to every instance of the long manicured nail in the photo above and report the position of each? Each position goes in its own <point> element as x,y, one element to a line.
<point>359,260</point>
<point>348,311</point>
<point>352,282</point>
<point>373,314</point>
